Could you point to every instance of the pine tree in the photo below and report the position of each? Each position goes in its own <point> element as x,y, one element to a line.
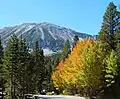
<point>1,49</point>
<point>76,39</point>
<point>2,79</point>
<point>118,44</point>
<point>109,27</point>
<point>110,36</point>
<point>117,36</point>
<point>1,56</point>
<point>22,70</point>
<point>49,70</point>
<point>66,50</point>
<point>117,80</point>
<point>39,67</point>
<point>30,86</point>
<point>11,64</point>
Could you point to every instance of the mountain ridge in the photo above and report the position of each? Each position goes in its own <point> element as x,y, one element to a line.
<point>50,36</point>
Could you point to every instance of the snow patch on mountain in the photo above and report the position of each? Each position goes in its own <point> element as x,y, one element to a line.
<point>42,33</point>
<point>51,37</point>
<point>52,34</point>
<point>47,51</point>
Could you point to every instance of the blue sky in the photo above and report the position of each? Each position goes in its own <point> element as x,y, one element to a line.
<point>80,15</point>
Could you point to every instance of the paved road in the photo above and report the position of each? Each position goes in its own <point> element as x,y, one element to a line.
<point>57,97</point>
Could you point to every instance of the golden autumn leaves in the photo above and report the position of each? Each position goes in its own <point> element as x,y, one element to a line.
<point>82,68</point>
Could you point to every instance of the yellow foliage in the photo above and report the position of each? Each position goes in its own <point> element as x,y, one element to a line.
<point>67,71</point>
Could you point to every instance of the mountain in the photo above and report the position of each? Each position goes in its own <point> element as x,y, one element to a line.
<point>51,37</point>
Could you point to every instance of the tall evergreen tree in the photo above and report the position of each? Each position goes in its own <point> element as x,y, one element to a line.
<point>117,80</point>
<point>49,69</point>
<point>109,27</point>
<point>2,79</point>
<point>39,67</point>
<point>22,70</point>
<point>76,39</point>
<point>66,50</point>
<point>11,64</point>
<point>118,29</point>
<point>118,41</point>
<point>1,55</point>
<point>1,49</point>
<point>109,36</point>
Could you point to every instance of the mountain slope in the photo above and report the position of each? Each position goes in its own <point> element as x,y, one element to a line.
<point>50,36</point>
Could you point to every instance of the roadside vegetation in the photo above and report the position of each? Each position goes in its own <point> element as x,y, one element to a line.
<point>91,68</point>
